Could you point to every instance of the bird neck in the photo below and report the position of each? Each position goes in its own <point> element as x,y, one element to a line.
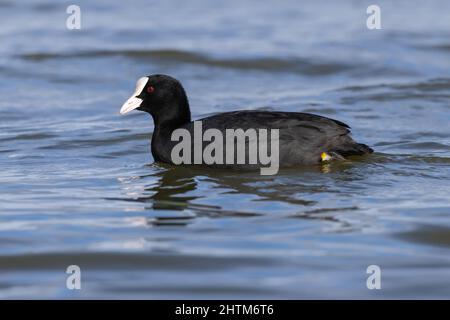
<point>165,124</point>
<point>178,116</point>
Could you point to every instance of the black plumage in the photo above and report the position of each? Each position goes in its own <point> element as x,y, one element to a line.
<point>303,137</point>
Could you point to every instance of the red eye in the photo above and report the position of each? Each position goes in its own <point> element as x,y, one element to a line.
<point>150,89</point>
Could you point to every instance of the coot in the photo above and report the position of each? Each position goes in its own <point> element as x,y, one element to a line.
<point>304,138</point>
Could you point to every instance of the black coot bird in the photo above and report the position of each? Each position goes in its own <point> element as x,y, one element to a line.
<point>304,138</point>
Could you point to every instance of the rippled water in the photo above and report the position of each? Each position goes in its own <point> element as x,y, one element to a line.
<point>78,184</point>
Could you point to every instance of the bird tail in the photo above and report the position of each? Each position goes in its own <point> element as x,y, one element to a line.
<point>353,149</point>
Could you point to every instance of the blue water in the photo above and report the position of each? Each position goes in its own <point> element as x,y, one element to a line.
<point>78,185</point>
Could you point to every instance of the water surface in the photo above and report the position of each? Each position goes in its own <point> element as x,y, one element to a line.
<point>78,184</point>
